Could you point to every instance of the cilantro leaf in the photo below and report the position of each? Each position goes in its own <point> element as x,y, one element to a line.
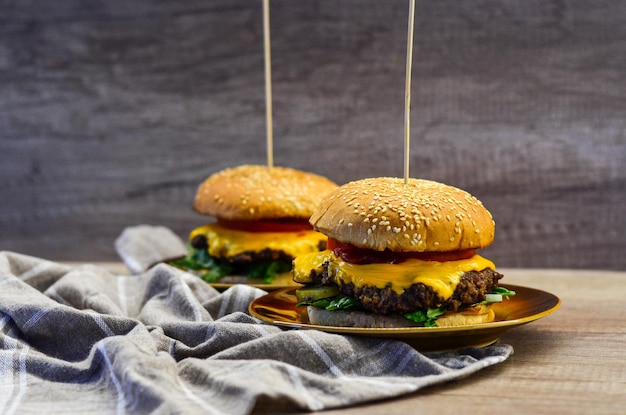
<point>339,302</point>
<point>426,317</point>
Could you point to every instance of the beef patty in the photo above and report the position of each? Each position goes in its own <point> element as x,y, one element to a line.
<point>472,289</point>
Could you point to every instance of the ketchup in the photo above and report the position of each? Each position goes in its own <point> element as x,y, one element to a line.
<point>355,255</point>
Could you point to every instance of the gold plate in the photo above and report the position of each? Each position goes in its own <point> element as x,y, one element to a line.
<point>529,304</point>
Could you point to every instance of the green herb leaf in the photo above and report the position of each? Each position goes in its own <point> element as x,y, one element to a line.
<point>505,292</point>
<point>195,260</point>
<point>344,302</point>
<point>426,317</point>
<point>496,295</point>
<point>267,270</point>
<point>339,302</point>
<point>218,271</point>
<point>200,260</point>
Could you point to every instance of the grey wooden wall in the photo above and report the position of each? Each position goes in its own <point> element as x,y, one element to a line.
<point>112,112</point>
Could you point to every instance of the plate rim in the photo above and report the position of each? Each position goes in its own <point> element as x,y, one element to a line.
<point>500,325</point>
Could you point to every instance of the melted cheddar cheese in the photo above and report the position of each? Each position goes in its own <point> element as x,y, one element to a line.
<point>442,277</point>
<point>224,242</point>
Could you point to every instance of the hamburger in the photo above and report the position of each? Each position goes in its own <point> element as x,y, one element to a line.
<point>399,255</point>
<point>260,223</point>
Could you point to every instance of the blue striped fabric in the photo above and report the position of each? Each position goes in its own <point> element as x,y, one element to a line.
<point>85,340</point>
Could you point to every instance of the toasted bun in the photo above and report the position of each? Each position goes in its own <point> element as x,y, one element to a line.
<point>421,215</point>
<point>338,318</point>
<point>251,192</point>
<point>475,315</point>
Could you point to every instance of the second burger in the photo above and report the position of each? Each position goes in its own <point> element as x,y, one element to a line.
<point>261,223</point>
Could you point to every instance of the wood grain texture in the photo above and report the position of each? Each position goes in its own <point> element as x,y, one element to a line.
<point>112,113</point>
<point>569,362</point>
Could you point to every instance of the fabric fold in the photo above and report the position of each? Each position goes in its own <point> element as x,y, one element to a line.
<point>83,339</point>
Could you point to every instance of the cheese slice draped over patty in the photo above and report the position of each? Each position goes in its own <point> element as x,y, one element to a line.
<point>224,242</point>
<point>442,277</point>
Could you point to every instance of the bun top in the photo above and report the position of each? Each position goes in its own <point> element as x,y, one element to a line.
<point>420,216</point>
<point>251,192</point>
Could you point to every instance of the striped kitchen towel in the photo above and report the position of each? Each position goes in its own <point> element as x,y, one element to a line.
<point>85,340</point>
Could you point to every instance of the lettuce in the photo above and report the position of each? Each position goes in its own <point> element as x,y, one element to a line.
<point>211,269</point>
<point>426,317</point>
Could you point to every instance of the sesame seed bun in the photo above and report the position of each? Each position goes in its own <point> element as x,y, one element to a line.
<point>419,216</point>
<point>252,192</point>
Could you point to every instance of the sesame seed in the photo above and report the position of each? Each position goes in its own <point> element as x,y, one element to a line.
<point>349,224</point>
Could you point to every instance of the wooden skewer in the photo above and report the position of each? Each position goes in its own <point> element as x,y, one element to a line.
<point>407,93</point>
<point>268,84</point>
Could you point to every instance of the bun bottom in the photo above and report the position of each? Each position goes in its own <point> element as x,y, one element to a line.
<point>474,315</point>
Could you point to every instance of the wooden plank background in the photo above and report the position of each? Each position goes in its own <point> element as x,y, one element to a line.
<point>112,112</point>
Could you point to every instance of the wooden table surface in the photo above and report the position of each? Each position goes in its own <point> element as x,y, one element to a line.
<point>570,362</point>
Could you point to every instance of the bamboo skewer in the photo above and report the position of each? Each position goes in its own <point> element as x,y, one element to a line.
<point>407,93</point>
<point>268,84</point>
